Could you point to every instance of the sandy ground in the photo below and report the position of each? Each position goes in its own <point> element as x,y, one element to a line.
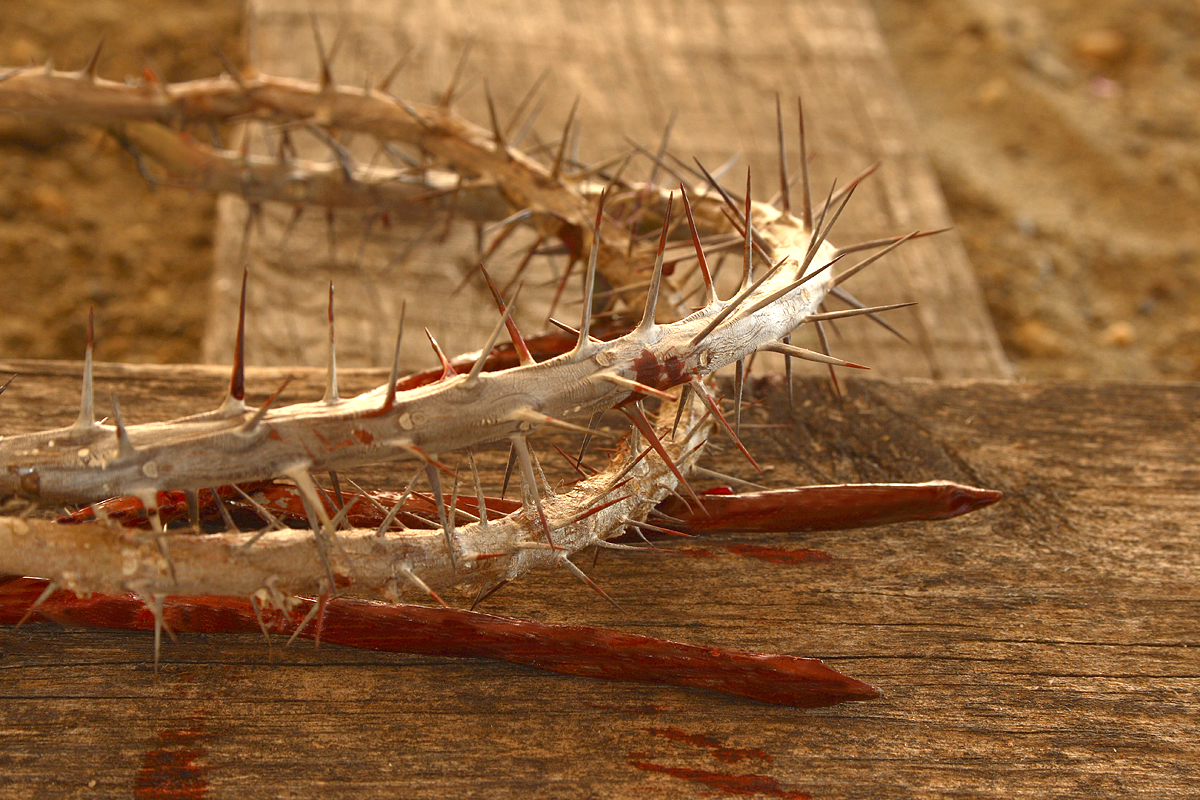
<point>1065,132</point>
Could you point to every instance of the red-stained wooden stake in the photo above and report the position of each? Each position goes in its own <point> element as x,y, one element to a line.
<point>567,649</point>
<point>828,508</point>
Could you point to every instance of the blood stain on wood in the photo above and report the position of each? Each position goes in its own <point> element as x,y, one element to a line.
<point>171,772</point>
<point>728,755</point>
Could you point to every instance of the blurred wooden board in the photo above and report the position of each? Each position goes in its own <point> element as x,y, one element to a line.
<point>717,67</point>
<point>1044,647</point>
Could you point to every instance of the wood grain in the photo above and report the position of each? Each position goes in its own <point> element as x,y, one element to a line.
<point>1044,647</point>
<point>717,67</point>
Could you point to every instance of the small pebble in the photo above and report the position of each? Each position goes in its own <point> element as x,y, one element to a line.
<point>1101,46</point>
<point>50,200</point>
<point>1119,334</point>
<point>1036,339</point>
<point>993,91</point>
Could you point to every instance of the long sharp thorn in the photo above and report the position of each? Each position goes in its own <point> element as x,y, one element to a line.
<point>386,525</point>
<point>855,312</point>
<point>508,469</point>
<point>50,589</point>
<point>321,601</point>
<point>507,226</point>
<point>390,399</point>
<point>562,285</point>
<point>784,186</point>
<point>866,262</point>
<point>89,71</point>
<point>757,242</point>
<point>739,383</point>
<point>732,201</point>
<point>530,482</point>
<point>711,404</point>
<point>873,243</point>
<point>124,445</point>
<point>237,377</point>
<point>226,518</point>
<point>316,505</point>
<point>312,612</point>
<point>477,367</point>
<point>262,625</point>
<point>322,58</point>
<point>582,515</point>
<point>845,198</point>
<point>452,511</point>
<point>447,367</point>
<point>717,185</point>
<point>748,248</point>
<point>344,509</point>
<point>634,386</point>
<point>841,294</point>
<point>479,498</point>
<point>787,376</point>
<point>87,415</point>
<point>337,488</point>
<point>385,83</point>
<point>578,573</point>
<point>497,131</point>
<point>685,394</point>
<point>448,96</point>
<point>662,148</point>
<point>859,178</point>
<point>570,462</point>
<point>234,73</point>
<point>526,99</point>
<point>529,254</point>
<point>638,418</point>
<point>810,355</point>
<point>4,386</point>
<point>514,333</point>
<point>331,381</point>
<point>814,239</point>
<point>806,208</point>
<point>576,135</point>
<point>647,322</point>
<point>155,604</point>
<point>556,170</point>
<point>272,521</point>
<point>658,160</point>
<point>527,126</point>
<point>485,593</point>
<point>587,439</point>
<point>421,586</point>
<point>435,484</point>
<point>252,424</point>
<point>634,523</point>
<point>721,476</point>
<point>824,341</point>
<point>539,418</point>
<point>589,283</point>
<point>710,293</point>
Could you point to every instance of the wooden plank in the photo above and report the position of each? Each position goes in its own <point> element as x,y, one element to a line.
<point>717,67</point>
<point>1044,647</point>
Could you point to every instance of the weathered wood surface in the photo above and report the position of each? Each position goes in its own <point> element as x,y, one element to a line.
<point>1046,647</point>
<point>716,66</point>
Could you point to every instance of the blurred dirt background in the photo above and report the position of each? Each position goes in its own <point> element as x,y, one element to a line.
<point>1066,134</point>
